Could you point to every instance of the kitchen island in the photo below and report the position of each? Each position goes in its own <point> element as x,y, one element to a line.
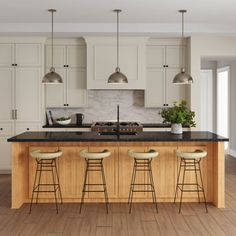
<point>118,167</point>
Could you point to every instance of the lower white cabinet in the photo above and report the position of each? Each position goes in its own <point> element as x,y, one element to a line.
<point>5,148</point>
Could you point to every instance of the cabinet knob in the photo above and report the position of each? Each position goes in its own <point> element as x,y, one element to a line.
<point>67,65</point>
<point>15,64</point>
<point>27,129</point>
<point>64,66</point>
<point>12,64</point>
<point>67,105</point>
<point>1,128</point>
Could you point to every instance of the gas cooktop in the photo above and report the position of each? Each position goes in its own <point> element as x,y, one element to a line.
<point>109,126</point>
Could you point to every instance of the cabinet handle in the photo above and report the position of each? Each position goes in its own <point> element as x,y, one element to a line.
<point>15,114</point>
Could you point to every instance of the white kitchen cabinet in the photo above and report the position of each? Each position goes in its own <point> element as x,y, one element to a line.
<point>163,63</point>
<point>5,148</point>
<point>101,62</point>
<point>20,92</point>
<point>70,63</point>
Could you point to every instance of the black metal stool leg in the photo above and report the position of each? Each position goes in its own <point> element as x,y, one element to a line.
<point>177,184</point>
<point>39,162</point>
<point>84,186</point>
<point>58,182</point>
<point>132,185</point>
<point>152,184</point>
<point>54,186</point>
<point>195,163</point>
<point>104,186</point>
<point>181,196</point>
<point>34,185</point>
<point>130,190</point>
<point>202,186</point>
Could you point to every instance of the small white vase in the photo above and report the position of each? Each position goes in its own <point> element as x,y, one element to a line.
<point>176,129</point>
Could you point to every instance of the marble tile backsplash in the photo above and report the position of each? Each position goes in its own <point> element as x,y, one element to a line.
<point>102,107</point>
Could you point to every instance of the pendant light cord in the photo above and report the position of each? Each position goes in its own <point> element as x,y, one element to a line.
<point>182,39</point>
<point>52,37</point>
<point>117,39</point>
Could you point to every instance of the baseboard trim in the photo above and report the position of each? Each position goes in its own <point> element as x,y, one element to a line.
<point>232,153</point>
<point>5,172</point>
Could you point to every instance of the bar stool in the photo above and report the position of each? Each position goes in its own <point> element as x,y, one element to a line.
<point>94,162</point>
<point>142,162</point>
<point>46,161</point>
<point>190,161</point>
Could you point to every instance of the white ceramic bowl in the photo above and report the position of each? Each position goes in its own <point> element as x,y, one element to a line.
<point>64,122</point>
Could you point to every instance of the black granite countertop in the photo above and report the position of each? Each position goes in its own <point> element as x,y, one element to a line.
<point>95,137</point>
<point>88,125</point>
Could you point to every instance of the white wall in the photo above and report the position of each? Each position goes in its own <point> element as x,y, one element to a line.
<point>203,46</point>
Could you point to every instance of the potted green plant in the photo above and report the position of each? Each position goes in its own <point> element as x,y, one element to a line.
<point>177,116</point>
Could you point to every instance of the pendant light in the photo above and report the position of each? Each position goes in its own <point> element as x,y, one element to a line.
<point>183,77</point>
<point>117,77</point>
<point>52,77</point>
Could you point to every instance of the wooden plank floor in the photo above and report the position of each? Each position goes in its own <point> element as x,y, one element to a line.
<point>93,221</point>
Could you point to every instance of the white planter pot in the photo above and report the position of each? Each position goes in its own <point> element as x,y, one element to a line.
<point>176,129</point>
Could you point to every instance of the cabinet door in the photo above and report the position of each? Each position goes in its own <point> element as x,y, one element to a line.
<point>55,94</point>
<point>174,92</point>
<point>126,164</point>
<point>28,54</point>
<point>155,56</point>
<point>5,153</point>
<point>76,56</point>
<point>154,93</point>
<point>111,173</point>
<point>59,56</point>
<point>6,54</point>
<point>28,94</point>
<point>174,56</point>
<point>6,93</point>
<point>76,87</point>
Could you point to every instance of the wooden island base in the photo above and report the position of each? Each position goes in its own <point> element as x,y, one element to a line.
<point>118,170</point>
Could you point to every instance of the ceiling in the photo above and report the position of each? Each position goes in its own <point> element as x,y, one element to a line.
<point>143,17</point>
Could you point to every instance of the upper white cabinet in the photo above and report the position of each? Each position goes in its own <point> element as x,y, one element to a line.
<point>101,62</point>
<point>163,63</point>
<point>70,63</point>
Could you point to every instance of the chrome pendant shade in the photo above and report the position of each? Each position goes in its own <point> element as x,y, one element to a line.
<point>182,77</point>
<point>52,77</point>
<point>117,77</point>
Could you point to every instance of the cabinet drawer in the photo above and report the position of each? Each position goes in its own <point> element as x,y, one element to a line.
<point>6,130</point>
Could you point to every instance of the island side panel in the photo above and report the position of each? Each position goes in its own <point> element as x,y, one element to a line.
<point>219,175</point>
<point>20,174</point>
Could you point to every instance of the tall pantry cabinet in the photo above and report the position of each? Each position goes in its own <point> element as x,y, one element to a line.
<point>21,70</point>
